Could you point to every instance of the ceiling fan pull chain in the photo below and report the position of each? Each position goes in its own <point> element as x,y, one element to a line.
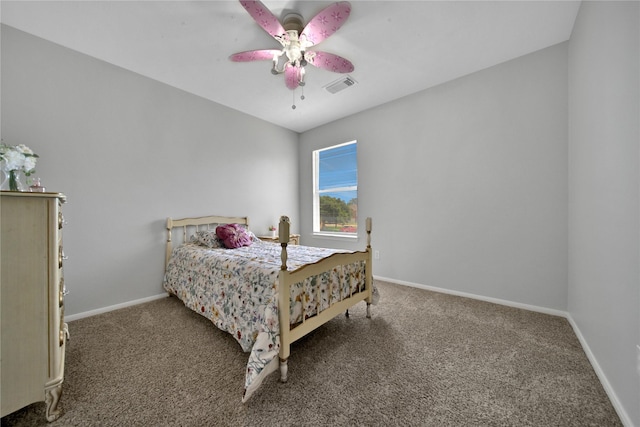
<point>293,107</point>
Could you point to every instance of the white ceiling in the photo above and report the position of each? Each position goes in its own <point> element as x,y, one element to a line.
<point>397,47</point>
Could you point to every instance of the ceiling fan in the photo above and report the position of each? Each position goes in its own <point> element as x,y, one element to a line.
<point>296,41</point>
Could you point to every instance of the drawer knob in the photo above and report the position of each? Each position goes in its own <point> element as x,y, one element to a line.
<point>63,292</point>
<point>61,256</point>
<point>64,333</point>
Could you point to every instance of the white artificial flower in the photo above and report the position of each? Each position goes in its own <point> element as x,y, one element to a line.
<point>14,159</point>
<point>29,164</point>
<point>18,158</point>
<point>24,149</point>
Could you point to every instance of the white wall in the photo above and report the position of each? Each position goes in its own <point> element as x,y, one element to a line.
<point>604,187</point>
<point>128,152</point>
<point>465,182</point>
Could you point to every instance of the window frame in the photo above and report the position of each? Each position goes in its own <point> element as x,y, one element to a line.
<point>316,193</point>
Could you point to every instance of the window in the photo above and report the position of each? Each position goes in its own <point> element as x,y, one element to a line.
<point>335,190</point>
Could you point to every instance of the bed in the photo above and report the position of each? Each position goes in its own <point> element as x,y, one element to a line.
<point>242,290</point>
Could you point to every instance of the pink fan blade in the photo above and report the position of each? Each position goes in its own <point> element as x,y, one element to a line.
<point>327,22</point>
<point>331,62</point>
<point>291,76</point>
<point>263,17</point>
<point>254,55</point>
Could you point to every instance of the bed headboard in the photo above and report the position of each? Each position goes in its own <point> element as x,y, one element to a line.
<point>182,229</point>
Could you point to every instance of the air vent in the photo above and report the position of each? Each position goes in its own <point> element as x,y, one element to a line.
<point>340,84</point>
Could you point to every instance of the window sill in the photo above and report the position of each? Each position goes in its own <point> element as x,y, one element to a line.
<point>334,236</point>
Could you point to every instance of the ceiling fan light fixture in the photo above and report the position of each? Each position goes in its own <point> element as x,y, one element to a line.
<point>301,75</point>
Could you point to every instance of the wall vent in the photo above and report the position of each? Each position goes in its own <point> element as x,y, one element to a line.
<point>340,84</point>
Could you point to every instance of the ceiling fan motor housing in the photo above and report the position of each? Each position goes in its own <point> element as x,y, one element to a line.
<point>293,22</point>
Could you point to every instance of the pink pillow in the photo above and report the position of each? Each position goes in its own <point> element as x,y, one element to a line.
<point>233,235</point>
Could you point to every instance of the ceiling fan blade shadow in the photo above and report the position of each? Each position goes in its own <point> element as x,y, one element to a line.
<point>263,17</point>
<point>330,62</point>
<point>327,22</point>
<point>254,55</point>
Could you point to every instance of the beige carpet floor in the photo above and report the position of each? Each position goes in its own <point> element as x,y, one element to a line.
<point>424,359</point>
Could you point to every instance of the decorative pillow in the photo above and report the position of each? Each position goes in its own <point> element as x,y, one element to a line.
<point>207,238</point>
<point>252,236</point>
<point>233,236</point>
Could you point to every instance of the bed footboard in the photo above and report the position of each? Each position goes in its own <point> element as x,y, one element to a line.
<point>290,333</point>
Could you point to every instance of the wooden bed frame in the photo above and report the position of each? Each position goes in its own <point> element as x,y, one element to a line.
<point>287,278</point>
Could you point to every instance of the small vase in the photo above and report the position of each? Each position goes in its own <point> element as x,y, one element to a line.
<point>12,181</point>
<point>4,180</point>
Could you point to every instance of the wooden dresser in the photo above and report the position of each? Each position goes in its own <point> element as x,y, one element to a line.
<point>33,332</point>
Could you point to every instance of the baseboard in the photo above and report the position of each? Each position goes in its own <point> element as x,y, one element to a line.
<point>113,307</point>
<point>622,414</point>
<point>624,417</point>
<point>508,303</point>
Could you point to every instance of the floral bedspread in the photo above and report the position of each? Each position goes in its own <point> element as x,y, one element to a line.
<point>237,289</point>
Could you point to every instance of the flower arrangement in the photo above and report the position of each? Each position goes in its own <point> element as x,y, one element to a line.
<point>15,159</point>
<point>272,228</point>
